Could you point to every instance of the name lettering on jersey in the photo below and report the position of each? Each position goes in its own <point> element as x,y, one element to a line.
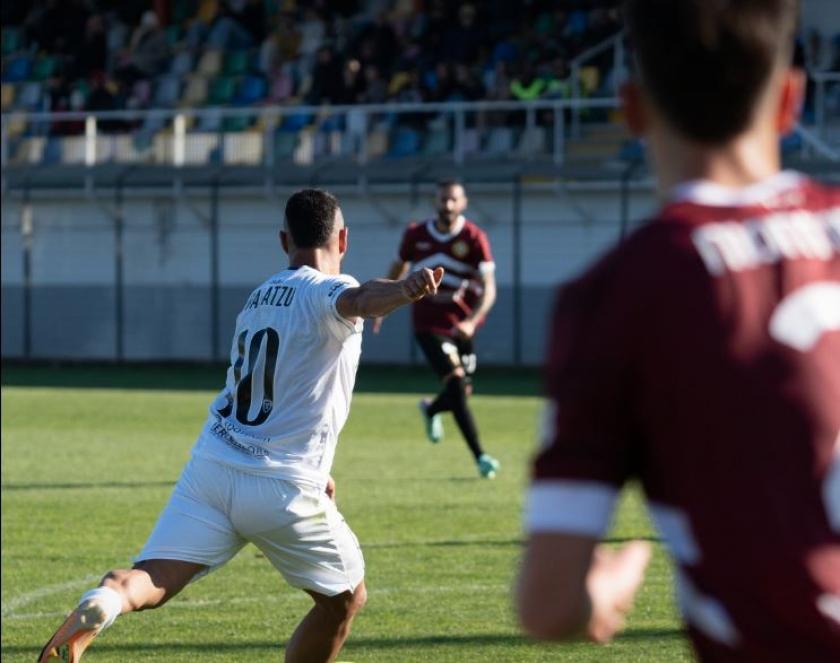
<point>273,295</point>
<point>737,246</point>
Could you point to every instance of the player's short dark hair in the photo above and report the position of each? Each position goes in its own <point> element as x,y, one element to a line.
<point>449,183</point>
<point>706,62</point>
<point>310,217</point>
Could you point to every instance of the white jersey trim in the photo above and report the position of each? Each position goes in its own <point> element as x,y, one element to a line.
<point>457,227</point>
<point>572,506</point>
<point>712,194</point>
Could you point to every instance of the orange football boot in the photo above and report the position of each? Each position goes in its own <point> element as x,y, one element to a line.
<point>75,634</point>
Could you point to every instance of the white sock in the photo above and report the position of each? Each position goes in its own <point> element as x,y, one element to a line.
<point>109,599</point>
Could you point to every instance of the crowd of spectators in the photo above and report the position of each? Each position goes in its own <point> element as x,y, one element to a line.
<point>136,54</point>
<point>103,55</point>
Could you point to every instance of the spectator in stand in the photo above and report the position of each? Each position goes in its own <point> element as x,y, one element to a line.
<point>440,83</point>
<point>377,43</point>
<point>557,81</point>
<point>148,51</point>
<point>58,27</point>
<point>227,32</point>
<point>282,84</point>
<point>327,86</point>
<point>463,41</point>
<point>102,98</point>
<point>352,82</point>
<point>376,89</point>
<point>527,86</point>
<point>93,57</point>
<point>250,14</point>
<point>467,87</point>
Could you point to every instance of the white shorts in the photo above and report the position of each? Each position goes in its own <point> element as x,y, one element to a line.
<point>216,509</point>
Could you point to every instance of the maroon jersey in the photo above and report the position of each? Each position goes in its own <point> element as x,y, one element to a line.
<point>702,357</point>
<point>465,255</point>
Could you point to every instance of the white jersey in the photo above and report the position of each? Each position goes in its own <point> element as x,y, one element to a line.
<point>287,395</point>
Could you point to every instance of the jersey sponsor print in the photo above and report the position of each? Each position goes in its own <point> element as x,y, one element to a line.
<point>292,367</point>
<point>702,357</point>
<point>464,253</point>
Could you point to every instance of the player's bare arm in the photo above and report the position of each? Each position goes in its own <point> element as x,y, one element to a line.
<point>467,327</point>
<point>396,271</point>
<point>569,586</point>
<point>378,297</point>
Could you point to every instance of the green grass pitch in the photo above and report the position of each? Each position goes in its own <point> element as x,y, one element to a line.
<point>89,456</point>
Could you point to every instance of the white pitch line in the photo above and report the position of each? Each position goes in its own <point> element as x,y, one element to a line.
<point>13,604</point>
<point>25,599</point>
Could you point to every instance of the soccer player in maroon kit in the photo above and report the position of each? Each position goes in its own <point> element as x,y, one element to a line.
<point>702,358</point>
<point>444,326</point>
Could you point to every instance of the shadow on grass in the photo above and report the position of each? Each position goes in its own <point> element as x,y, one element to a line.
<point>210,377</point>
<point>477,639</point>
<point>86,486</point>
<point>463,543</point>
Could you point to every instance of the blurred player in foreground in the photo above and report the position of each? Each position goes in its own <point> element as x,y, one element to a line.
<point>260,470</point>
<point>445,324</point>
<point>702,357</point>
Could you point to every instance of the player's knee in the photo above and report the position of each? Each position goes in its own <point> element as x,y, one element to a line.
<point>116,579</point>
<point>343,607</point>
<point>457,374</point>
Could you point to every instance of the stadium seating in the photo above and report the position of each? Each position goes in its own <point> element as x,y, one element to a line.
<point>214,64</point>
<point>16,69</point>
<point>7,96</point>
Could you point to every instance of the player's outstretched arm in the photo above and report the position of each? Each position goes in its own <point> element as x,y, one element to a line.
<point>396,272</point>
<point>379,297</point>
<point>570,587</point>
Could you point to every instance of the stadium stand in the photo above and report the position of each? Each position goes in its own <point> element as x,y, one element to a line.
<point>102,55</point>
<point>251,53</point>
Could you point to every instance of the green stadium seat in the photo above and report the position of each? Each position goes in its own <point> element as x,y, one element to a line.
<point>221,91</point>
<point>12,40</point>
<point>44,68</point>
<point>236,63</point>
<point>173,34</point>
<point>236,123</point>
<point>436,143</point>
<point>285,143</point>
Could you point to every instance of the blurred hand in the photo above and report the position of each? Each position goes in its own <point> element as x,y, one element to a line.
<point>421,283</point>
<point>466,329</point>
<point>330,489</point>
<point>377,325</point>
<point>613,580</point>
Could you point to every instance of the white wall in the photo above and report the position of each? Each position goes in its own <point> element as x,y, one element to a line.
<point>167,266</point>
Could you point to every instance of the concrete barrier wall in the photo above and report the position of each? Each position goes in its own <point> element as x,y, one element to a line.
<point>167,312</point>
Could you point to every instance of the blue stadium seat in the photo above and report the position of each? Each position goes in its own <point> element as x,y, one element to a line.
<point>52,151</point>
<point>30,95</point>
<point>631,150</point>
<point>405,143</point>
<point>17,69</point>
<point>332,123</point>
<point>295,121</point>
<point>251,90</point>
<point>167,92</point>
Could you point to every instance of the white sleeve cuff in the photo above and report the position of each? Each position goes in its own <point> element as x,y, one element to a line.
<point>485,268</point>
<point>575,507</point>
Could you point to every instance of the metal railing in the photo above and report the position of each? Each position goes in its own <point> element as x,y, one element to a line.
<point>265,136</point>
<point>177,137</point>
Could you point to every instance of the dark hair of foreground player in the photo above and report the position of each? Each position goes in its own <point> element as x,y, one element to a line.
<point>679,44</point>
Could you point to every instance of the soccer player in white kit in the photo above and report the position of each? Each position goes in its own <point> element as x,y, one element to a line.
<point>260,470</point>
